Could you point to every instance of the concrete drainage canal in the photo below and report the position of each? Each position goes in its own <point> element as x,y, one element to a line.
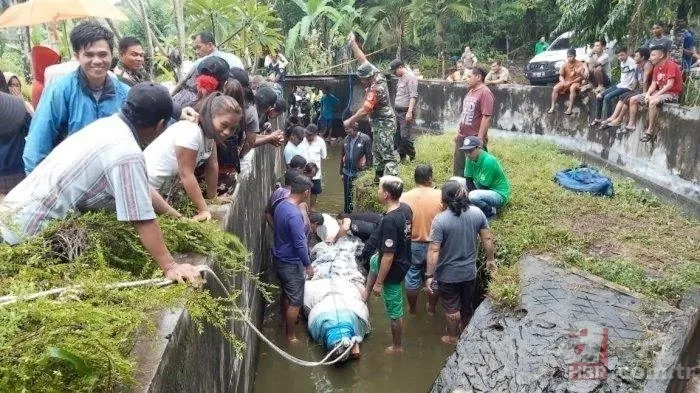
<point>572,332</point>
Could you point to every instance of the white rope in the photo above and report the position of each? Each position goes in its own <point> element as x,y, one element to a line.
<point>161,282</point>
<point>280,351</point>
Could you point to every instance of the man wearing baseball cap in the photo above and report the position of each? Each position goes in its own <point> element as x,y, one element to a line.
<point>101,167</point>
<point>489,189</point>
<point>404,105</point>
<point>378,107</point>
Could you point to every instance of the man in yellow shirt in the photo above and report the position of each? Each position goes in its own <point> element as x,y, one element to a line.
<point>426,203</point>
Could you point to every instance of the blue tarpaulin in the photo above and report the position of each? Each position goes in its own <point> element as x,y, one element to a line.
<point>585,179</point>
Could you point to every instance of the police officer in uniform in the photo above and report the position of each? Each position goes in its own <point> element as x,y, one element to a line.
<point>377,106</point>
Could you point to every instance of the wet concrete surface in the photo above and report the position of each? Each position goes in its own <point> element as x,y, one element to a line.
<point>574,333</point>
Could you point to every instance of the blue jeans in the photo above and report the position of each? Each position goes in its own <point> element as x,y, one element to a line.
<point>419,255</point>
<point>487,200</point>
<point>604,103</point>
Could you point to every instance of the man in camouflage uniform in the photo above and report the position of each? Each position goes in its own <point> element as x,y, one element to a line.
<point>377,106</point>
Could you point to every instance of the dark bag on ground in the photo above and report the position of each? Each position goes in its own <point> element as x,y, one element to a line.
<point>585,179</point>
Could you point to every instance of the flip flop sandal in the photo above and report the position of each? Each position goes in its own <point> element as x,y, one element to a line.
<point>550,111</point>
<point>568,113</point>
<point>628,128</point>
<point>595,123</point>
<point>648,138</point>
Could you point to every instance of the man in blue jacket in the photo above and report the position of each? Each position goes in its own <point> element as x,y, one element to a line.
<point>78,98</point>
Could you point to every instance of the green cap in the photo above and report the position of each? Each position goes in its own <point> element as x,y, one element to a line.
<point>366,70</point>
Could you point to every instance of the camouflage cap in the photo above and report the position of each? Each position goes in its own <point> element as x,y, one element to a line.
<point>366,70</point>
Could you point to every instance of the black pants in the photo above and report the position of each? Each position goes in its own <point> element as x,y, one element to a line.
<point>403,139</point>
<point>348,184</point>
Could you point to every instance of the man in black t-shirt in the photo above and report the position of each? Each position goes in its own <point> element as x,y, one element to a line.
<point>393,241</point>
<point>360,224</point>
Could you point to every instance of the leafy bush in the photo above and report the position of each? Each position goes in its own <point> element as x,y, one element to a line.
<point>80,341</point>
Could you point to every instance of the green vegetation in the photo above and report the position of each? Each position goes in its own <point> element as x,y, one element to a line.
<point>632,239</point>
<point>80,341</point>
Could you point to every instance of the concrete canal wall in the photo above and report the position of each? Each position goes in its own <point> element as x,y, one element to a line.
<point>180,359</point>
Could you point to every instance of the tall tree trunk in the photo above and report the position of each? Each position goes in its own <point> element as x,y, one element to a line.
<point>440,44</point>
<point>149,40</point>
<point>117,35</point>
<point>399,47</point>
<point>181,40</point>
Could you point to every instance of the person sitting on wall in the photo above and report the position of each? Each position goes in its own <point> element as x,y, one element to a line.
<point>498,74</point>
<point>460,75</point>
<point>101,167</point>
<point>666,86</point>
<point>572,73</point>
<point>173,157</point>
<point>488,185</point>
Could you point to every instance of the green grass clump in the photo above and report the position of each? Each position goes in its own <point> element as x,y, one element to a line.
<point>633,239</point>
<point>93,330</point>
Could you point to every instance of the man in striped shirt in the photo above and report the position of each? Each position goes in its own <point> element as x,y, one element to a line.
<point>101,167</point>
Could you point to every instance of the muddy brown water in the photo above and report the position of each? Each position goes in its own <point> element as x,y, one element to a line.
<point>413,371</point>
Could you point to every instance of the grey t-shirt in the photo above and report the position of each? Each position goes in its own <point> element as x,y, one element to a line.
<point>663,41</point>
<point>602,59</point>
<point>457,237</point>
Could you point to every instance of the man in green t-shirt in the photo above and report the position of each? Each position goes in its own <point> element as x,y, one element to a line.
<point>541,46</point>
<point>489,189</point>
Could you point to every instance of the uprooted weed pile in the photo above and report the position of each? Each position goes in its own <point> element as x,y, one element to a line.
<point>81,340</point>
<point>632,239</point>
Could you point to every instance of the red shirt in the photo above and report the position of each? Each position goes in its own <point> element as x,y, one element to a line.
<point>665,71</point>
<point>476,104</point>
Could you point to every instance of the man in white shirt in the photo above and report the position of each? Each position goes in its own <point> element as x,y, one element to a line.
<point>93,169</point>
<point>316,152</point>
<point>325,227</point>
<point>627,83</point>
<point>297,145</point>
<point>205,46</point>
<point>598,67</point>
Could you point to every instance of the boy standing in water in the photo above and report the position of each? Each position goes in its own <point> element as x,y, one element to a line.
<point>388,269</point>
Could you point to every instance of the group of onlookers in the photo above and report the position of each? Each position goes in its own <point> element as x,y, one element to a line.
<point>105,137</point>
<point>648,77</point>
<point>427,238</point>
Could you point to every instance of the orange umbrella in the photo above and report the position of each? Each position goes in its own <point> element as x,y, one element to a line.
<point>35,12</point>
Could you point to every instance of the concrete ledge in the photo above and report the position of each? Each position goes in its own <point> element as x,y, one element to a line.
<point>672,163</point>
<point>181,359</point>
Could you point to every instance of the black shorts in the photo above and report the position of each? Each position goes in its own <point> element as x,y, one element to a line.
<point>316,187</point>
<point>291,276</point>
<point>457,296</point>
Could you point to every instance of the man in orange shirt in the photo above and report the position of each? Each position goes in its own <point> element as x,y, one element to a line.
<point>572,73</point>
<point>426,203</point>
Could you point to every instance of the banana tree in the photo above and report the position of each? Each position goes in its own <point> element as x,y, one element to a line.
<point>437,12</point>
<point>315,12</point>
<point>389,21</point>
<point>256,29</point>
